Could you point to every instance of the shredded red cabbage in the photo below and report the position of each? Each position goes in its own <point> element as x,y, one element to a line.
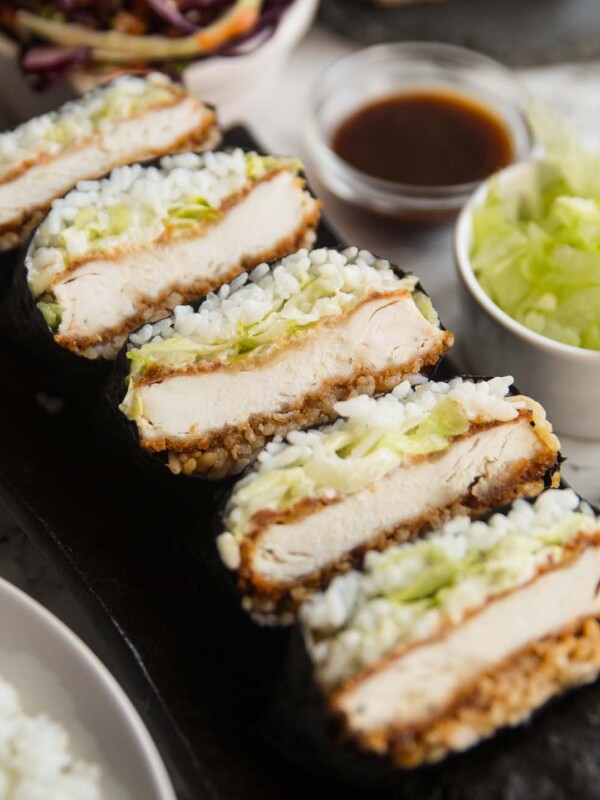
<point>52,59</point>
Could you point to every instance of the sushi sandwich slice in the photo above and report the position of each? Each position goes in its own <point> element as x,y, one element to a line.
<point>274,351</point>
<point>124,250</point>
<point>393,468</point>
<point>438,644</point>
<point>132,118</point>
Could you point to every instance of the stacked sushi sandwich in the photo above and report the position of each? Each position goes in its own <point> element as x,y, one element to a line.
<point>133,118</point>
<point>390,469</point>
<point>118,252</point>
<point>274,351</point>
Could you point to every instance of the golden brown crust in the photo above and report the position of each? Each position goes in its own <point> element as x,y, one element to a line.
<point>16,232</point>
<point>524,478</point>
<point>502,696</point>
<point>178,293</point>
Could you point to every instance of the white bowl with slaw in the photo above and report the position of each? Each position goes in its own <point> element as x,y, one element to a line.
<point>564,378</point>
<point>236,83</point>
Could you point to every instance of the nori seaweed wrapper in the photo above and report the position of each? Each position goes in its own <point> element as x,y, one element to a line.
<point>8,263</point>
<point>118,426</point>
<point>250,658</point>
<point>52,367</point>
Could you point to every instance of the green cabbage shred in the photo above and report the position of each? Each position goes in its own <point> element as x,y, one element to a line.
<point>51,312</point>
<point>258,166</point>
<point>435,573</point>
<point>117,103</point>
<point>102,225</point>
<point>352,460</point>
<point>180,351</point>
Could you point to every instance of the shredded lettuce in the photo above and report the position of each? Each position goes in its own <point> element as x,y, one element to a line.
<point>117,103</point>
<point>351,459</point>
<point>425,306</point>
<point>258,166</point>
<point>302,310</point>
<point>51,312</point>
<point>189,213</point>
<point>96,228</point>
<point>434,570</point>
<point>177,352</point>
<point>537,255</point>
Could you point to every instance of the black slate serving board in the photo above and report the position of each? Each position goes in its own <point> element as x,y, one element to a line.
<point>519,32</point>
<point>135,547</point>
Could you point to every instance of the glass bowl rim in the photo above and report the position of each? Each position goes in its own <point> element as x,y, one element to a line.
<point>441,192</point>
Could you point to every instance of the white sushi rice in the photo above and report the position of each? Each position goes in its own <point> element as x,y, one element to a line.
<point>296,292</point>
<point>345,457</point>
<point>408,592</point>
<point>77,120</point>
<point>137,204</point>
<point>36,762</point>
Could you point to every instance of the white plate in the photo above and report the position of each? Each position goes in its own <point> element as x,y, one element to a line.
<point>56,674</point>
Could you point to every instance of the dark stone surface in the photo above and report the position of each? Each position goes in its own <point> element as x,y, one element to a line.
<point>519,32</point>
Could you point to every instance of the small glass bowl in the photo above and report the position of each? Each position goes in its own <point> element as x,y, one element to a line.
<point>377,72</point>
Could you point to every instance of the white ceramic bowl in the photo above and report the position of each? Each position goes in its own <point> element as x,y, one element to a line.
<point>56,674</point>
<point>565,379</point>
<point>235,85</point>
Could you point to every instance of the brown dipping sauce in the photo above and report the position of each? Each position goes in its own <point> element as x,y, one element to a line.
<point>425,138</point>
